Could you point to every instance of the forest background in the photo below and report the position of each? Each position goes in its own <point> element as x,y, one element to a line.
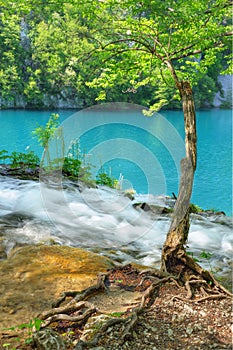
<point>47,61</point>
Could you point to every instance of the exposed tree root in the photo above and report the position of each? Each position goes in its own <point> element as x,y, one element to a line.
<point>78,309</point>
<point>62,313</point>
<point>75,306</point>
<point>209,297</point>
<point>84,294</point>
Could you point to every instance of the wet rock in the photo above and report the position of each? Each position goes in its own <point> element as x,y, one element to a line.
<point>129,193</point>
<point>20,172</point>
<point>154,209</point>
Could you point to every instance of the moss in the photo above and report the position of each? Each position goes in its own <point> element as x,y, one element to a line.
<point>194,209</point>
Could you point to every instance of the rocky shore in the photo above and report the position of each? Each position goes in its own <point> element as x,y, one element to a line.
<point>34,276</point>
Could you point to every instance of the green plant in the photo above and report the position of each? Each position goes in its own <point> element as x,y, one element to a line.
<point>32,325</point>
<point>24,159</point>
<point>3,156</point>
<point>44,133</point>
<point>104,179</point>
<point>206,256</point>
<point>192,255</point>
<point>71,166</point>
<point>21,159</point>
<point>202,256</point>
<point>195,209</point>
<point>72,162</point>
<point>117,314</point>
<point>68,337</point>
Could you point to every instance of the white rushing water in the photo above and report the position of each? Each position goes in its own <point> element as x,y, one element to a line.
<point>102,220</point>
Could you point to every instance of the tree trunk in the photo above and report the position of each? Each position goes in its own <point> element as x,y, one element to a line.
<point>174,256</point>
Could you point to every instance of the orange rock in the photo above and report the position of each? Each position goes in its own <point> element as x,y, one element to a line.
<point>34,276</point>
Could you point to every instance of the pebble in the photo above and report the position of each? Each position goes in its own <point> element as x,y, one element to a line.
<point>170,332</point>
<point>203,313</point>
<point>189,330</point>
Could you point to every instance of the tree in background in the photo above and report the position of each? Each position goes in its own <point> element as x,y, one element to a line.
<point>44,46</point>
<point>11,56</point>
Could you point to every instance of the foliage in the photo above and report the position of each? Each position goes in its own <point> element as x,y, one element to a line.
<point>204,92</point>
<point>31,326</point>
<point>195,209</point>
<point>74,164</point>
<point>29,159</point>
<point>19,159</point>
<point>44,133</point>
<point>71,166</point>
<point>153,43</point>
<point>76,51</point>
<point>203,256</point>
<point>117,314</point>
<point>104,179</point>
<point>4,156</point>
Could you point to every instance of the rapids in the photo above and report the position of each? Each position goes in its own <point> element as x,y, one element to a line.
<point>105,221</point>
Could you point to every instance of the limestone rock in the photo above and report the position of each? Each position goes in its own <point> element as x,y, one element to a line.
<point>34,276</point>
<point>47,339</point>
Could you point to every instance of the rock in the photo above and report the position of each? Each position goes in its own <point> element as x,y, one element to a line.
<point>129,193</point>
<point>34,276</point>
<point>153,209</point>
<point>47,339</point>
<point>92,327</point>
<point>170,332</point>
<point>189,330</point>
<point>3,254</point>
<point>20,172</point>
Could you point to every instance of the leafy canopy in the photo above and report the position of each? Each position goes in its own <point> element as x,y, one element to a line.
<point>121,48</point>
<point>158,42</point>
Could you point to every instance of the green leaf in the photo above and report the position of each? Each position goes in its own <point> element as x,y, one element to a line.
<point>37,323</point>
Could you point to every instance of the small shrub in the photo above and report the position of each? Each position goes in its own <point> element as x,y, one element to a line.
<point>104,179</point>
<point>4,156</point>
<point>29,159</point>
<point>71,166</point>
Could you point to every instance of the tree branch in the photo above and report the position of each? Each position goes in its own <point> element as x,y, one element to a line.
<point>196,52</point>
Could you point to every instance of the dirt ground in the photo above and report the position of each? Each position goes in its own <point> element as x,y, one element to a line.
<point>170,322</point>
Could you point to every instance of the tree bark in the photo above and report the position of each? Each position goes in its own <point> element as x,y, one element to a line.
<point>174,256</point>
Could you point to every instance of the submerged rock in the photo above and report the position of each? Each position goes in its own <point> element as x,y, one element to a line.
<point>34,276</point>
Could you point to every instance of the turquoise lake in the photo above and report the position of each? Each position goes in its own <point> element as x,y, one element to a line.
<point>136,153</point>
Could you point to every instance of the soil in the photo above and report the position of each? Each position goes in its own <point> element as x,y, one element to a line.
<point>167,323</point>
<point>175,324</point>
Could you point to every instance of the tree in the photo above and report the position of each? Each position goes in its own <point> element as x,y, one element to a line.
<point>11,51</point>
<point>170,43</point>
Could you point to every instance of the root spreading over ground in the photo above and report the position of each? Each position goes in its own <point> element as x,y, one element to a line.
<point>133,309</point>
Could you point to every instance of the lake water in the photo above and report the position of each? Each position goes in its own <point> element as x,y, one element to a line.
<point>144,152</point>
